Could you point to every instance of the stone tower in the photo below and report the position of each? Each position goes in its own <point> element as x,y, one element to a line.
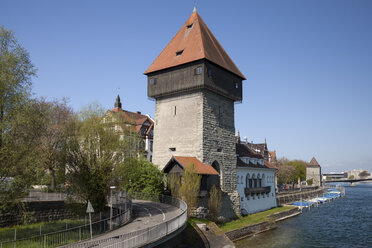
<point>195,84</point>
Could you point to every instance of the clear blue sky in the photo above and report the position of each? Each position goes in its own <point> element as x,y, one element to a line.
<point>308,64</point>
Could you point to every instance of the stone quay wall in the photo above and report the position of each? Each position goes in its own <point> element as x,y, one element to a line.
<point>261,227</point>
<point>290,197</point>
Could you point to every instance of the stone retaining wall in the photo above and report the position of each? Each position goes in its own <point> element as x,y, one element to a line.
<point>250,230</point>
<point>37,212</point>
<point>261,227</point>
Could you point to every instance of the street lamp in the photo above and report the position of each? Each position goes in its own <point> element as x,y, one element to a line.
<point>111,189</point>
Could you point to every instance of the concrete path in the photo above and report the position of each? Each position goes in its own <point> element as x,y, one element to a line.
<point>146,214</point>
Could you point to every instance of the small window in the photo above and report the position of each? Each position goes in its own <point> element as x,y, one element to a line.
<point>152,81</point>
<point>179,53</point>
<point>236,85</point>
<point>189,26</point>
<point>219,150</point>
<point>198,70</point>
<point>173,149</point>
<point>175,110</point>
<point>209,72</point>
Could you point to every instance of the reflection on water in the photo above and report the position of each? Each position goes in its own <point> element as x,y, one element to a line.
<point>346,222</point>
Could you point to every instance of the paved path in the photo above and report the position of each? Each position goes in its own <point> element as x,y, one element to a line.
<point>146,214</point>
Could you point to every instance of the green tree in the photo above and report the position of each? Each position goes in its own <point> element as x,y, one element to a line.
<point>186,187</point>
<point>52,139</point>
<point>300,169</point>
<point>19,120</point>
<point>139,175</point>
<point>92,150</point>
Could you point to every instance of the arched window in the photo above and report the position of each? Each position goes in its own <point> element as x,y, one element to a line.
<point>254,181</point>
<point>248,183</point>
<point>263,179</point>
<point>259,181</point>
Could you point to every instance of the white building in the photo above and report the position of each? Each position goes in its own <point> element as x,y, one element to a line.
<point>255,181</point>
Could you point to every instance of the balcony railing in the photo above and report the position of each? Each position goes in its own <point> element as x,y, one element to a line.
<point>261,190</point>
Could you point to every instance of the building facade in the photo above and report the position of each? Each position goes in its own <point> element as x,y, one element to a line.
<point>255,180</point>
<point>142,125</point>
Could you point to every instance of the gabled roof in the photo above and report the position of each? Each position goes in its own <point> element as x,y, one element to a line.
<point>194,41</point>
<point>243,150</point>
<point>136,120</point>
<point>314,163</point>
<point>188,162</point>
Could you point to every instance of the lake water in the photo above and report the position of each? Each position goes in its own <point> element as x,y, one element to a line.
<point>345,222</point>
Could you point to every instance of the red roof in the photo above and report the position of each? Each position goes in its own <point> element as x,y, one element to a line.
<point>200,168</point>
<point>313,163</point>
<point>136,120</point>
<point>194,41</point>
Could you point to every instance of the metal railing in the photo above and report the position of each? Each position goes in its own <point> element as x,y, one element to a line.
<point>122,212</point>
<point>147,235</point>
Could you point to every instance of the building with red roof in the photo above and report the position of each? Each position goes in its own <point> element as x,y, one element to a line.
<point>126,122</point>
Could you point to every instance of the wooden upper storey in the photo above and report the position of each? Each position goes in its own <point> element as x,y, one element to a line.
<point>194,59</point>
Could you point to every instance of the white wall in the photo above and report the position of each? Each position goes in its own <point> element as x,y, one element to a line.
<point>258,202</point>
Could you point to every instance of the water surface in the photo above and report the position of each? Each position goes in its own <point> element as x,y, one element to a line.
<point>346,222</point>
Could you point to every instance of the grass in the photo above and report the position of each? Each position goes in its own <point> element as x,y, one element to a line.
<point>30,230</point>
<point>28,235</point>
<point>252,219</point>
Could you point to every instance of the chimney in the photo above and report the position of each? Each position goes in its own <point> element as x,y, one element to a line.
<point>138,112</point>
<point>246,140</point>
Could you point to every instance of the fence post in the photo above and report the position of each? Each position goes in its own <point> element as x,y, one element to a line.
<point>44,241</point>
<point>79,233</point>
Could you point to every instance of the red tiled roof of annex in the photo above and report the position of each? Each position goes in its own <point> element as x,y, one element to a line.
<point>200,168</point>
<point>194,41</point>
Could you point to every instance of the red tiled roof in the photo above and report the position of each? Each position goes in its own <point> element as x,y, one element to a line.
<point>269,165</point>
<point>200,168</point>
<point>136,120</point>
<point>194,41</point>
<point>313,163</point>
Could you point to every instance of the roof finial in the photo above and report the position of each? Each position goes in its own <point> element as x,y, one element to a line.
<point>194,11</point>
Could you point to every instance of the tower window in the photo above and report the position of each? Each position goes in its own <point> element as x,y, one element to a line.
<point>209,72</point>
<point>198,70</point>
<point>175,110</point>
<point>179,53</point>
<point>152,81</point>
<point>189,26</point>
<point>236,85</point>
<point>173,149</point>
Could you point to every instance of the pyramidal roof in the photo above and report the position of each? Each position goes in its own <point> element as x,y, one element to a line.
<point>194,41</point>
<point>313,162</point>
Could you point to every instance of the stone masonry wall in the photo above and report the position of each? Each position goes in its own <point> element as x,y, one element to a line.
<point>37,212</point>
<point>219,137</point>
<point>178,124</point>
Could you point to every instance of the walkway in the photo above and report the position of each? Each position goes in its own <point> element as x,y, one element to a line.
<point>146,214</point>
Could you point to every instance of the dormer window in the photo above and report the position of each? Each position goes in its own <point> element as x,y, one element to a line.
<point>179,53</point>
<point>172,149</point>
<point>189,26</point>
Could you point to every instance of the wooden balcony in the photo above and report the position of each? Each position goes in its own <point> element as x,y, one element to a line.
<point>262,190</point>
